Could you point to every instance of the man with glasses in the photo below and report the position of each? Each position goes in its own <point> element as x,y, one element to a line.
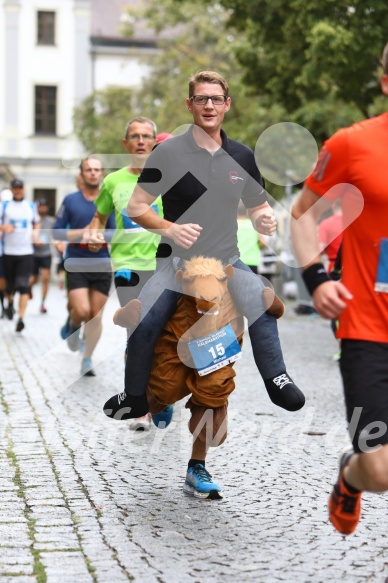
<point>133,249</point>
<point>202,175</point>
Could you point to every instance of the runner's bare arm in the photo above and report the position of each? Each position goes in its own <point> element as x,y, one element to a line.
<point>97,228</point>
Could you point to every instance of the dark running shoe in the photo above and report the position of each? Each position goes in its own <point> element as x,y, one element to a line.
<point>65,329</point>
<point>19,325</point>
<point>344,506</point>
<point>9,312</point>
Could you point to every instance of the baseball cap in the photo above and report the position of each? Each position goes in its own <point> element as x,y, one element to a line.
<point>42,202</point>
<point>16,183</point>
<point>163,136</point>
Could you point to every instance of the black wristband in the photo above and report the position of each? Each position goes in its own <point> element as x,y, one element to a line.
<point>314,275</point>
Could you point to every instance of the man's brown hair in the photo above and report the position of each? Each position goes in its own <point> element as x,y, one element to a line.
<point>207,77</point>
<point>81,166</point>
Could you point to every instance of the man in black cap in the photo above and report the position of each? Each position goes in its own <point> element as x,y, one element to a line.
<point>19,218</point>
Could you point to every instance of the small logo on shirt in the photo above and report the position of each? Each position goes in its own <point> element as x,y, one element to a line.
<point>234,177</point>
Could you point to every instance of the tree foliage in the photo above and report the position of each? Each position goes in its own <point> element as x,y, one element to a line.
<point>311,54</point>
<point>99,121</point>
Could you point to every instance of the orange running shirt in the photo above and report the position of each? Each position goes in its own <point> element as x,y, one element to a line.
<point>358,155</point>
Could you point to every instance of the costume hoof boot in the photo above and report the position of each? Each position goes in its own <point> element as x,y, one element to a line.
<point>284,393</point>
<point>123,406</point>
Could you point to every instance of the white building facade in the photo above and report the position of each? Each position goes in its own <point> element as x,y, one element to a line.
<point>50,60</point>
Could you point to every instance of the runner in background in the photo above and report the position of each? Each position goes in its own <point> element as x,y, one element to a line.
<point>19,219</point>
<point>5,195</point>
<point>133,249</point>
<point>248,240</point>
<point>330,235</point>
<point>42,253</point>
<point>89,275</point>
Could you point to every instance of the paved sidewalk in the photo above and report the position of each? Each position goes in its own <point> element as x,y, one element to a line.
<point>83,499</point>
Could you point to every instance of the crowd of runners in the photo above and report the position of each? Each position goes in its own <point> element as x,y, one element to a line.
<point>119,228</point>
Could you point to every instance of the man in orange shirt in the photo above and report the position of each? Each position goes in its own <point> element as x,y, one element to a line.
<point>352,165</point>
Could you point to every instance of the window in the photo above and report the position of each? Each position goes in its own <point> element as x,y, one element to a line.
<point>45,110</point>
<point>49,194</point>
<point>46,28</point>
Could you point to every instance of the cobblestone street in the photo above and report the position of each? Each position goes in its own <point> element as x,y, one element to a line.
<point>83,499</point>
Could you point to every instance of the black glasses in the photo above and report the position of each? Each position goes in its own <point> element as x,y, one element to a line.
<point>203,99</point>
<point>144,137</point>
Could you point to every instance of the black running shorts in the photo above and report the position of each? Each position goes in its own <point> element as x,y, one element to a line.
<point>96,280</point>
<point>17,272</point>
<point>41,263</point>
<point>364,369</point>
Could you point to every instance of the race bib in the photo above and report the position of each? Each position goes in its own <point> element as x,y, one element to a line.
<point>215,351</point>
<point>381,284</point>
<point>129,225</point>
<point>19,223</point>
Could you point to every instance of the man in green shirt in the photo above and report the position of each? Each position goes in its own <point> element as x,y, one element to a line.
<point>133,249</point>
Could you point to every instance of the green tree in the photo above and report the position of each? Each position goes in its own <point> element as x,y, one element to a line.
<point>100,119</point>
<point>312,57</point>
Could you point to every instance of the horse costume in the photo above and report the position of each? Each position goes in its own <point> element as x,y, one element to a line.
<point>205,307</point>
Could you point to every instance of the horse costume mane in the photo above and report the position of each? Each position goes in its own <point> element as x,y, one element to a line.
<point>202,267</point>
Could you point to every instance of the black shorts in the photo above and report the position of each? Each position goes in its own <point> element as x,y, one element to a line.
<point>41,263</point>
<point>17,272</point>
<point>1,266</point>
<point>364,369</point>
<point>129,289</point>
<point>96,280</point>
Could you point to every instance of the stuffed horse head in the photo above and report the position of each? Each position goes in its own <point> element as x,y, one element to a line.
<point>206,303</point>
<point>206,280</point>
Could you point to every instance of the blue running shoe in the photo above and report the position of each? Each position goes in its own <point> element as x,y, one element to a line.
<point>199,484</point>
<point>86,368</point>
<point>65,329</point>
<point>73,339</point>
<point>163,419</point>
